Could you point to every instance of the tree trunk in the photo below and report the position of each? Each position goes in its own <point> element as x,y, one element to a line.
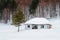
<point>5,13</point>
<point>57,9</point>
<point>18,28</point>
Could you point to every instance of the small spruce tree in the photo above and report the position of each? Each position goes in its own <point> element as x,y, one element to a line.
<point>17,17</point>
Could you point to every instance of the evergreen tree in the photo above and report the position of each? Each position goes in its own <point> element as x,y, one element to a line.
<point>17,17</point>
<point>33,6</point>
<point>10,5</point>
<point>2,4</point>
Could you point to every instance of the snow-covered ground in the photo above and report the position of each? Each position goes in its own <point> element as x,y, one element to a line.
<point>55,23</point>
<point>31,35</point>
<point>9,32</point>
<point>7,28</point>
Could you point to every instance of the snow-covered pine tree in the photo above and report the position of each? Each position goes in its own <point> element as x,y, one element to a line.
<point>17,17</point>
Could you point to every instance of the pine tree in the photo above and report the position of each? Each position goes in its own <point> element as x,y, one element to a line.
<point>9,5</point>
<point>17,17</point>
<point>33,6</point>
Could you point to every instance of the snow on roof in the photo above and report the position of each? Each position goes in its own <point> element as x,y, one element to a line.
<point>37,21</point>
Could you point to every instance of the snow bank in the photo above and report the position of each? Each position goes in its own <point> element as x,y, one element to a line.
<point>7,27</point>
<point>55,23</point>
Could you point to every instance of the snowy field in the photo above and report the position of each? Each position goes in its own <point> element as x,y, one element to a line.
<point>9,32</point>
